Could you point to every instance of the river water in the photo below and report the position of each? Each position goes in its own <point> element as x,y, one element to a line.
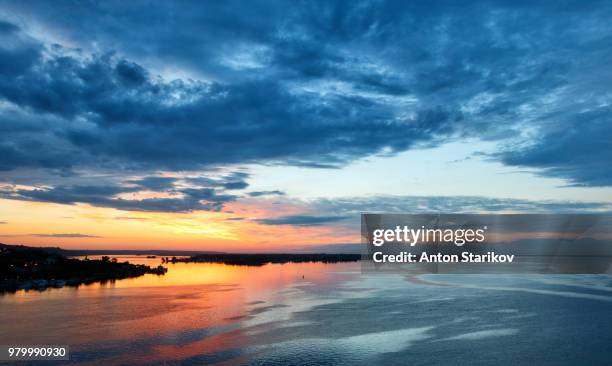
<point>318,314</point>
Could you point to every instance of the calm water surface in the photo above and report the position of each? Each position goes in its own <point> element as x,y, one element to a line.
<point>231,315</point>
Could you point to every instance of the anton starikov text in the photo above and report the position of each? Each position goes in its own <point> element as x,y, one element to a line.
<point>424,257</point>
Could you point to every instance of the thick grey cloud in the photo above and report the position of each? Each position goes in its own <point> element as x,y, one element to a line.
<point>191,86</point>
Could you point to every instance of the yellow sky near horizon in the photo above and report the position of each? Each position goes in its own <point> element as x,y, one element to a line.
<point>46,224</point>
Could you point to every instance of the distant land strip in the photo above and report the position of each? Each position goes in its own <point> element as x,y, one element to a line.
<point>259,259</point>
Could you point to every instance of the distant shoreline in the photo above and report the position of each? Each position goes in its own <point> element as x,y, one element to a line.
<point>260,259</point>
<point>170,252</point>
<point>39,268</point>
<point>180,253</point>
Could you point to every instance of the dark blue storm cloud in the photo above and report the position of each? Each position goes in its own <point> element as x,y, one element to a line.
<point>183,86</point>
<point>187,125</point>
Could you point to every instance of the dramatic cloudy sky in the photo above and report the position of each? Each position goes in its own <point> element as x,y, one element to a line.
<point>259,125</point>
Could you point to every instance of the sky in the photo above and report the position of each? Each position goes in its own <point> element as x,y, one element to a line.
<point>270,126</point>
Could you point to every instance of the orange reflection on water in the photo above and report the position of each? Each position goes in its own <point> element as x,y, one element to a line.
<point>250,277</point>
<point>157,310</point>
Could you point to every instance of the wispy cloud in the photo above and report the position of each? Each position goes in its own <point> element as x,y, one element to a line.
<point>346,212</point>
<point>266,193</point>
<point>448,204</point>
<point>130,218</point>
<point>302,220</point>
<point>185,195</point>
<point>67,235</point>
<point>60,235</point>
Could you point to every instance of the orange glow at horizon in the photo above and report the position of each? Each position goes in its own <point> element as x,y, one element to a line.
<point>38,224</point>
